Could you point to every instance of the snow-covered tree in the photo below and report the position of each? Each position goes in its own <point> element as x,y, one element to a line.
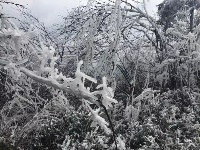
<point>59,89</point>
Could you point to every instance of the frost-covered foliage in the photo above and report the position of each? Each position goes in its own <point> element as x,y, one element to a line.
<point>169,121</point>
<point>27,111</point>
<point>110,77</point>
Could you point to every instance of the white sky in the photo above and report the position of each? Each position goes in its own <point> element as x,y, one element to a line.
<point>51,11</point>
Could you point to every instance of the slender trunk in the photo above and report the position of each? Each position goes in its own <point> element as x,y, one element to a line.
<point>191,18</point>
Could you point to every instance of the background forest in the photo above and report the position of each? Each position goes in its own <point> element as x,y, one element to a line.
<point>109,77</point>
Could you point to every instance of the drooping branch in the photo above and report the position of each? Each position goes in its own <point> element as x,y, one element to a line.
<point>66,87</point>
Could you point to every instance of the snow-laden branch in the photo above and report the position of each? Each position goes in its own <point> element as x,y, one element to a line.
<point>67,86</point>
